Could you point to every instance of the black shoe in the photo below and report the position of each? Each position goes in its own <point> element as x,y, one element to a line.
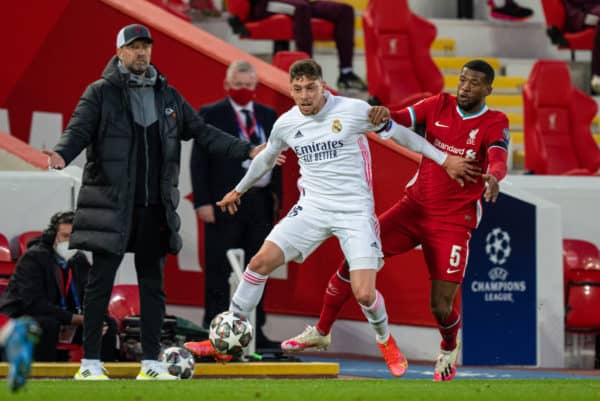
<point>238,26</point>
<point>351,81</point>
<point>511,11</point>
<point>556,37</point>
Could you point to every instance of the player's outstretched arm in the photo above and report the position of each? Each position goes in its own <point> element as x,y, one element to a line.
<point>230,202</point>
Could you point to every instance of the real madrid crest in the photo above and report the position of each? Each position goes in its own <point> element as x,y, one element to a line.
<point>336,127</point>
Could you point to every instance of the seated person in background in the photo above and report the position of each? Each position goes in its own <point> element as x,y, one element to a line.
<point>342,17</point>
<point>580,15</point>
<point>17,337</point>
<point>48,284</point>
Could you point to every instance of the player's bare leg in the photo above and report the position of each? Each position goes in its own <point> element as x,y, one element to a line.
<point>449,319</point>
<point>372,305</point>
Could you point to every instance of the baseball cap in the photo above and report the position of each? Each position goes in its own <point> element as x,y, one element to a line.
<point>133,32</point>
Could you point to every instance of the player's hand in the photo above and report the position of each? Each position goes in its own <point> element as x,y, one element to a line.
<point>256,150</point>
<point>379,114</point>
<point>206,213</point>
<point>461,169</point>
<point>492,188</point>
<point>281,158</point>
<point>55,160</point>
<point>230,202</point>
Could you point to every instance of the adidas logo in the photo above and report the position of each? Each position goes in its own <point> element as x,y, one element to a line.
<point>298,135</point>
<point>152,373</point>
<point>85,373</point>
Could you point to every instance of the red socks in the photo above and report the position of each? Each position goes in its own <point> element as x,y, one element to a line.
<point>449,330</point>
<point>337,293</point>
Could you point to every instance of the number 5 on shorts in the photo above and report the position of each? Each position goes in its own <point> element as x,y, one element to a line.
<point>455,255</point>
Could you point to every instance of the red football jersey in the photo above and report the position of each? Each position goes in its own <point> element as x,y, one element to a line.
<point>469,135</point>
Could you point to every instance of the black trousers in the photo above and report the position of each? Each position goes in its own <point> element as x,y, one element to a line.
<point>148,242</point>
<point>45,349</point>
<point>247,230</point>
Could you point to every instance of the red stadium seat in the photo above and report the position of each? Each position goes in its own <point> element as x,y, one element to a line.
<point>24,239</point>
<point>581,264</point>
<point>400,70</point>
<point>558,139</point>
<point>278,27</point>
<point>124,302</point>
<point>6,263</point>
<point>284,59</point>
<point>555,14</point>
<point>578,255</point>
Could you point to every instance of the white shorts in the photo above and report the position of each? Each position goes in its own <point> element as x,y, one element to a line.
<point>305,228</point>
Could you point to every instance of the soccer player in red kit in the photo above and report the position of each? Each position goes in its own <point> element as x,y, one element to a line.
<point>435,211</point>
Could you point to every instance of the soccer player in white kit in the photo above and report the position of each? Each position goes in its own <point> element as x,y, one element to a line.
<point>328,134</point>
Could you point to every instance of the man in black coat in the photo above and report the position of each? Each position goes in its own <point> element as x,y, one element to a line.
<point>213,176</point>
<point>131,122</point>
<point>48,284</point>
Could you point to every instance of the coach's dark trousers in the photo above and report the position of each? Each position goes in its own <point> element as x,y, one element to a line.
<point>341,15</point>
<point>147,240</point>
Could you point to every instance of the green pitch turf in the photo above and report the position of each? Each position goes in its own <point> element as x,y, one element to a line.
<point>307,390</point>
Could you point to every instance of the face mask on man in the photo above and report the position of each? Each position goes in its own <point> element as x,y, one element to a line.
<point>62,248</point>
<point>241,96</point>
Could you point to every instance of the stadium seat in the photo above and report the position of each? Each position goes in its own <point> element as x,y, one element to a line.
<point>578,255</point>
<point>555,14</point>
<point>124,302</point>
<point>581,264</point>
<point>277,27</point>
<point>6,263</point>
<point>24,239</point>
<point>400,70</point>
<point>175,7</point>
<point>557,120</point>
<point>284,59</point>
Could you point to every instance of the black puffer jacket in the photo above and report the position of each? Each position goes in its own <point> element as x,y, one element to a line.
<point>103,123</point>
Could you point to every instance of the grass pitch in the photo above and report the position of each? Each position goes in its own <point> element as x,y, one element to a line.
<point>308,390</point>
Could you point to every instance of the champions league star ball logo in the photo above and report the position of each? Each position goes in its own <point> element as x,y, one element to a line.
<point>497,246</point>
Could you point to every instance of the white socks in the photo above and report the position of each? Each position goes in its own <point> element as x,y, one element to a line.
<point>377,317</point>
<point>248,293</point>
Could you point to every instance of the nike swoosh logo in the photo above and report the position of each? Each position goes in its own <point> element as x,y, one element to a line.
<point>452,271</point>
<point>438,124</point>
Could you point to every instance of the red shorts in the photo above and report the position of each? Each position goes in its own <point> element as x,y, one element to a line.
<point>445,245</point>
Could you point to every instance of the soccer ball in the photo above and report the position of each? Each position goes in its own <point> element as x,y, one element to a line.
<point>179,362</point>
<point>230,333</point>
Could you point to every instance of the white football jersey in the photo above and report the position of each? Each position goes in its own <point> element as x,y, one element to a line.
<point>333,153</point>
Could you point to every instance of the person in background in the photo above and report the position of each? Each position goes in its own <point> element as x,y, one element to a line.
<point>213,176</point>
<point>131,123</point>
<point>301,11</point>
<point>48,284</point>
<point>582,14</point>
